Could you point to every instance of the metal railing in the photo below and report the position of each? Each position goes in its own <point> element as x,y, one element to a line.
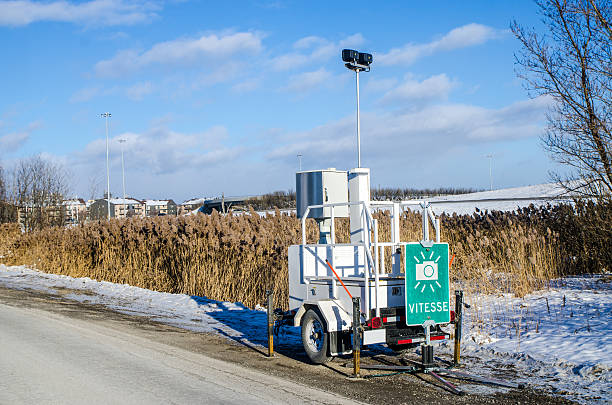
<point>369,226</point>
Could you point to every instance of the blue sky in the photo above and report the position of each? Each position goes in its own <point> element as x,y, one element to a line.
<point>220,97</point>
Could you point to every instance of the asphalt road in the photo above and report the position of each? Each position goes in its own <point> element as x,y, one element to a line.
<point>49,358</point>
<point>54,350</point>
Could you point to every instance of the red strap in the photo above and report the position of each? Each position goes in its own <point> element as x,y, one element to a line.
<point>336,274</point>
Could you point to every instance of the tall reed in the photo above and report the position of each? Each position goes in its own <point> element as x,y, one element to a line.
<point>236,258</point>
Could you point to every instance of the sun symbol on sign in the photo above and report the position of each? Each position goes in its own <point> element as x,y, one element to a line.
<point>427,272</point>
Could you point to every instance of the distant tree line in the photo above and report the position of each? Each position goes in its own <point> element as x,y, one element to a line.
<point>276,199</point>
<point>390,193</point>
<point>286,199</point>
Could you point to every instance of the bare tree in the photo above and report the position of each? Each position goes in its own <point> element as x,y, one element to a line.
<point>3,193</point>
<point>572,64</point>
<point>95,183</point>
<point>8,212</point>
<point>39,188</point>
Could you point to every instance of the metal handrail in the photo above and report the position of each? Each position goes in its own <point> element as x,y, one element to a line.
<point>370,224</point>
<point>372,264</point>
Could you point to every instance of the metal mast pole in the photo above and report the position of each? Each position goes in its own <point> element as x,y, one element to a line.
<point>358,122</point>
<point>490,172</point>
<point>122,141</point>
<point>106,115</point>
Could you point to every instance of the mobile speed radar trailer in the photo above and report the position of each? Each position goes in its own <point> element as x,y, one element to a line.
<point>400,308</point>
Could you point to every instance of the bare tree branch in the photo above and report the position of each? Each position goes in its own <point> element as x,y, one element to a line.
<point>572,63</point>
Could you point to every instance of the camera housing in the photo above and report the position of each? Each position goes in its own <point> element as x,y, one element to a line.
<point>356,59</point>
<point>364,59</point>
<point>350,55</point>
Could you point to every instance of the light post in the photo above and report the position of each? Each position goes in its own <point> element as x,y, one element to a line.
<point>107,115</point>
<point>299,156</point>
<point>490,157</point>
<point>357,62</point>
<point>122,141</point>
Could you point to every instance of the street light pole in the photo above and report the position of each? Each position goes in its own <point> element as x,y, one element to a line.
<point>106,115</point>
<point>299,156</point>
<point>490,157</point>
<point>122,141</point>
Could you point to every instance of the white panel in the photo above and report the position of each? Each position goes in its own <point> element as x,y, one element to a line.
<point>335,190</point>
<point>386,294</point>
<point>337,318</point>
<point>374,336</point>
<point>297,290</point>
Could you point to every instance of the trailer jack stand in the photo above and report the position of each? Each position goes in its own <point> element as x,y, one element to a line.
<point>356,338</point>
<point>270,317</point>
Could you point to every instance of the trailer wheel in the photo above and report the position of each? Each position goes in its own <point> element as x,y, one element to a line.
<point>314,337</point>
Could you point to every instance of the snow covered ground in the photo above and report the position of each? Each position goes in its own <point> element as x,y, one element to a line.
<point>557,339</point>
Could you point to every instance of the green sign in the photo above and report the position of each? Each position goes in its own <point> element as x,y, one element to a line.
<point>427,287</point>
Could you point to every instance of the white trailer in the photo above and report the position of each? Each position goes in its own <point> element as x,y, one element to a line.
<point>401,309</point>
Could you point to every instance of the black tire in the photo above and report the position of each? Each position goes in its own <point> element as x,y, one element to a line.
<point>315,338</point>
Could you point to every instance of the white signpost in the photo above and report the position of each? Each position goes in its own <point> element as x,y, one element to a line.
<point>427,286</point>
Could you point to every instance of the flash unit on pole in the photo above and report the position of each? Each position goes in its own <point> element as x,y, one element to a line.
<point>357,61</point>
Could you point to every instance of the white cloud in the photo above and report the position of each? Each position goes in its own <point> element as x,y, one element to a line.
<point>401,135</point>
<point>209,49</point>
<point>96,12</point>
<point>288,61</point>
<point>313,49</point>
<point>139,90</point>
<point>13,141</point>
<point>307,81</point>
<point>307,42</point>
<point>163,151</point>
<point>84,95</point>
<point>352,41</point>
<point>461,37</point>
<point>246,86</point>
<point>433,88</point>
<point>377,84</point>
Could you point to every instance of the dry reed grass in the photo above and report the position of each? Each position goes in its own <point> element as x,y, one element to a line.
<point>236,258</point>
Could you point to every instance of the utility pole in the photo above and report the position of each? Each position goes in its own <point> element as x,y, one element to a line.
<point>107,115</point>
<point>122,141</point>
<point>490,157</point>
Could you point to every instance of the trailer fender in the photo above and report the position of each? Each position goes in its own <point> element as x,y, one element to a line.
<point>336,318</point>
<point>297,319</point>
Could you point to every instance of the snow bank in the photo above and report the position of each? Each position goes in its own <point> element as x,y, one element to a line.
<point>198,314</point>
<point>558,339</point>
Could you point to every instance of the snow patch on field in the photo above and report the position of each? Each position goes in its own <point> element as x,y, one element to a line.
<point>558,339</point>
